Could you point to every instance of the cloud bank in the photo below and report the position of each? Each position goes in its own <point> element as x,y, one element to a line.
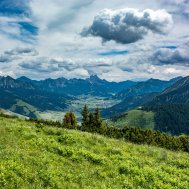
<point>179,55</point>
<point>128,25</point>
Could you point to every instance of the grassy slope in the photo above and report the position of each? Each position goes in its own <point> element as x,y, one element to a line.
<point>31,157</point>
<point>135,118</point>
<point>25,109</point>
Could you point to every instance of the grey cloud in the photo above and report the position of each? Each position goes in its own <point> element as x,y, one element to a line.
<point>5,59</point>
<point>22,51</point>
<point>128,25</point>
<point>68,68</point>
<point>17,53</point>
<point>40,65</point>
<point>178,56</point>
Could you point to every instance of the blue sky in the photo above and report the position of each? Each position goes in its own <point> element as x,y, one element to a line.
<point>113,53</point>
<point>117,40</point>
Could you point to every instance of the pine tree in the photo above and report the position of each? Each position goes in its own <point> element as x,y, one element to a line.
<point>85,117</point>
<point>97,119</point>
<point>70,120</point>
<point>91,121</point>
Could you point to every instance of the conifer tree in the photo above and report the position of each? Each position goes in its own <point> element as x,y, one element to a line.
<point>85,117</point>
<point>97,119</point>
<point>70,120</point>
<point>91,121</point>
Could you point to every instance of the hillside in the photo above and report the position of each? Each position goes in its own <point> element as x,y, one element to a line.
<point>134,118</point>
<point>35,156</point>
<point>128,103</point>
<point>146,87</point>
<point>138,95</point>
<point>24,98</point>
<point>170,118</point>
<point>176,94</point>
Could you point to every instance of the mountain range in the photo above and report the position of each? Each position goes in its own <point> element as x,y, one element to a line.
<point>175,94</point>
<point>26,96</point>
<point>93,86</point>
<point>138,95</point>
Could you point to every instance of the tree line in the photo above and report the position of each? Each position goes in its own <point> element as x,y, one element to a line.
<point>92,122</point>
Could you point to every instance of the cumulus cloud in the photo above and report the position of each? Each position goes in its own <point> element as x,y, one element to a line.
<point>16,54</point>
<point>179,55</point>
<point>128,25</point>
<point>45,64</point>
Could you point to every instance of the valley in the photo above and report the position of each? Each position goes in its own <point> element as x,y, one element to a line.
<point>147,104</point>
<point>77,105</point>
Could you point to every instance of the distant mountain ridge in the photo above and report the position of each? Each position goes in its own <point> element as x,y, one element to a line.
<point>138,95</point>
<point>25,96</point>
<point>146,87</point>
<point>93,85</point>
<point>175,94</point>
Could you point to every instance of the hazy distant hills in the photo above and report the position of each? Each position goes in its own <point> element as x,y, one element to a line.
<point>93,85</point>
<point>146,87</point>
<point>137,95</point>
<point>26,96</point>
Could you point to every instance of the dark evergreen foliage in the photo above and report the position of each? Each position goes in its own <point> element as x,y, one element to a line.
<point>70,120</point>
<point>91,121</point>
<point>85,116</point>
<point>171,118</point>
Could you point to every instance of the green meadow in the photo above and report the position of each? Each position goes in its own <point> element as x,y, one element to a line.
<point>34,156</point>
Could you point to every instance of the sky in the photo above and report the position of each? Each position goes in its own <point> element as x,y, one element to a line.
<point>114,39</point>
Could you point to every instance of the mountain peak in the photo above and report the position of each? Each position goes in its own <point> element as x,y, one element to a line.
<point>24,79</point>
<point>94,77</point>
<point>176,78</point>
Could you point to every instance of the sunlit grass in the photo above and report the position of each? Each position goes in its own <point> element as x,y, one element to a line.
<point>35,156</point>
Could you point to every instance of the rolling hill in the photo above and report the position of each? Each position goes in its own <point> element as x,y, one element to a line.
<point>134,118</point>
<point>36,156</point>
